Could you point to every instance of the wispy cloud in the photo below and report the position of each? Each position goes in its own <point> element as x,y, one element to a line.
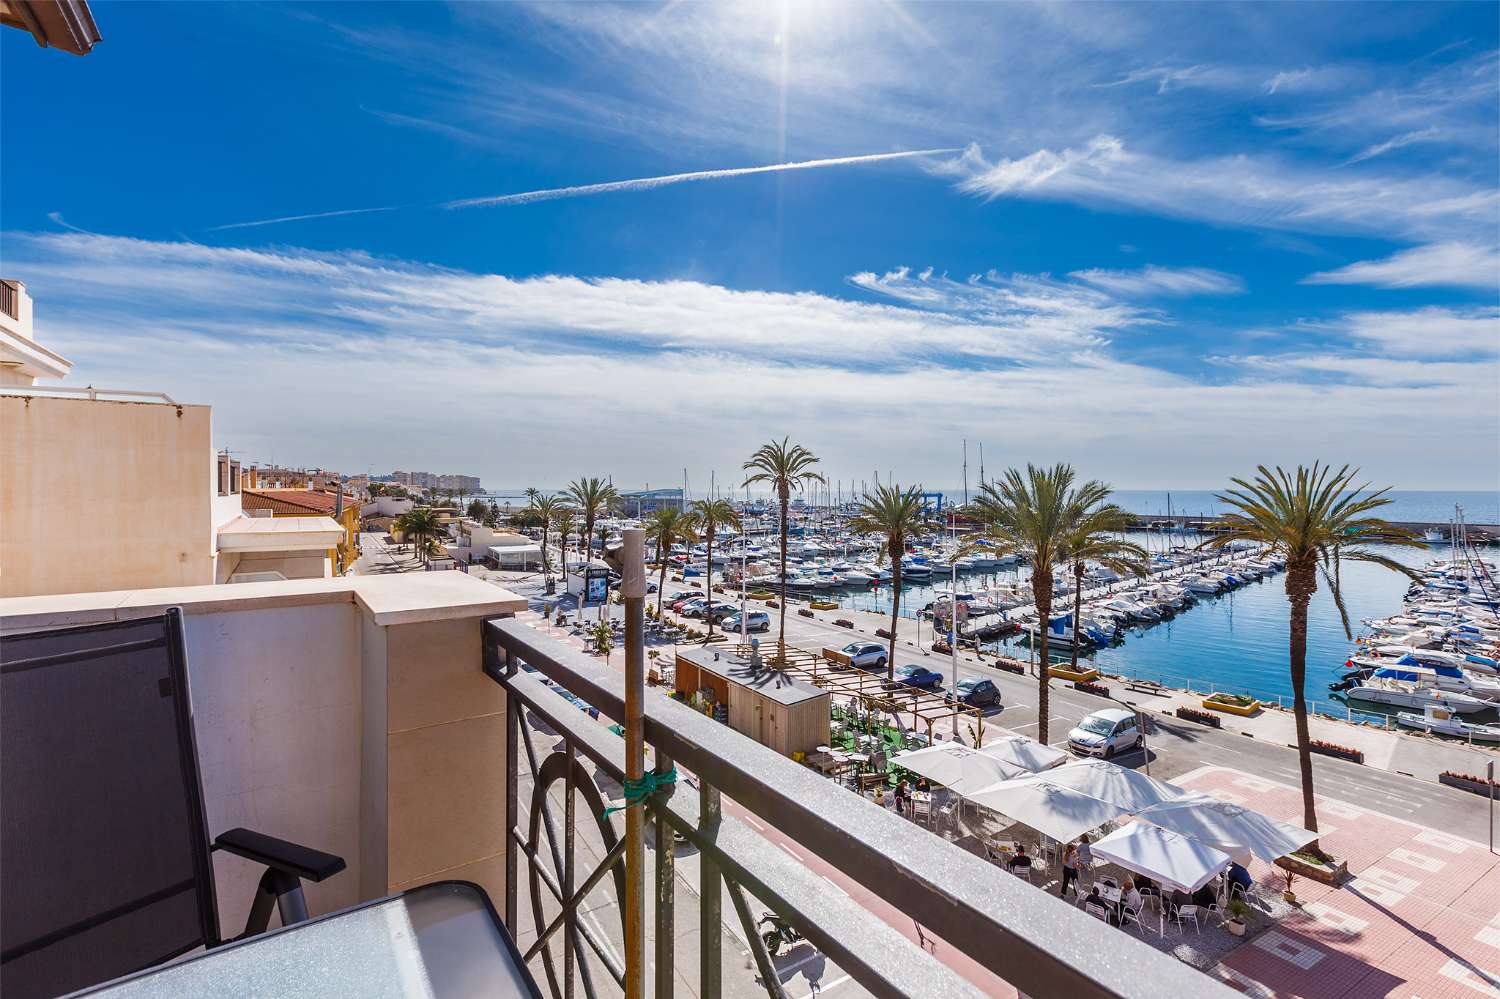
<point>610,187</point>
<point>1287,78</point>
<point>1168,77</point>
<point>1396,142</point>
<point>1453,265</point>
<point>246,329</point>
<point>1239,190</point>
<point>1167,281</point>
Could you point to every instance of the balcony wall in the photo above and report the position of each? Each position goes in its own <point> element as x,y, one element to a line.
<point>348,714</point>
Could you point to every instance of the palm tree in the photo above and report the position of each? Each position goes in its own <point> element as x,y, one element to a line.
<point>1094,539</point>
<point>667,526</point>
<point>712,514</point>
<point>1313,520</point>
<point>547,508</point>
<point>592,497</point>
<point>564,522</point>
<point>783,468</point>
<point>1035,516</point>
<point>895,514</point>
<point>421,525</point>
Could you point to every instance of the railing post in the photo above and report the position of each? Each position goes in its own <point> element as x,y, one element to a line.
<point>666,885</point>
<point>570,927</point>
<point>512,796</point>
<point>633,590</point>
<point>710,900</point>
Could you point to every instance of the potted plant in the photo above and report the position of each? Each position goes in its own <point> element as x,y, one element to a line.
<point>1238,911</point>
<point>1289,896</point>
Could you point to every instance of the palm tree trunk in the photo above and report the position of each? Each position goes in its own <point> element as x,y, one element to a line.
<point>784,494</point>
<point>708,585</point>
<point>1041,588</point>
<point>1077,608</point>
<point>661,585</point>
<point>546,569</point>
<point>1301,581</point>
<point>896,548</point>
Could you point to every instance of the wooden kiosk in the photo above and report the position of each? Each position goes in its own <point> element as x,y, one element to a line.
<point>773,708</point>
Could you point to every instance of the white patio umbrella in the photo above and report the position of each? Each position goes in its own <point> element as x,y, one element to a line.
<point>1028,754</point>
<point>1175,860</point>
<point>1241,832</point>
<point>1130,789</point>
<point>1059,812</point>
<point>957,766</point>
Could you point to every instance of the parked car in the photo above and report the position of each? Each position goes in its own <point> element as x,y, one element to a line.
<point>976,692</point>
<point>866,655</point>
<point>1107,732</point>
<point>677,595</point>
<point>719,612</point>
<point>919,677</point>
<point>693,608</point>
<point>759,621</point>
<point>681,602</point>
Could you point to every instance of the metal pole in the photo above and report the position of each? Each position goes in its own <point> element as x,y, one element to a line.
<point>633,590</point>
<point>1489,773</point>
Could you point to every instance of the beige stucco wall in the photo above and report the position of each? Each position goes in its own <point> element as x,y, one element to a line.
<point>349,714</point>
<point>128,474</point>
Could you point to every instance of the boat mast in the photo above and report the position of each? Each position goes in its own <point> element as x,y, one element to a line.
<point>966,471</point>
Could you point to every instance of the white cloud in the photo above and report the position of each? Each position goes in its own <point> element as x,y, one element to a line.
<point>1239,190</point>
<point>347,360</point>
<point>1287,79</point>
<point>1397,142</point>
<point>1455,265</point>
<point>1432,332</point>
<point>1170,281</point>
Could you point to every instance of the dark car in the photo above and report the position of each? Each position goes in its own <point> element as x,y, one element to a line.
<point>915,676</point>
<point>976,692</point>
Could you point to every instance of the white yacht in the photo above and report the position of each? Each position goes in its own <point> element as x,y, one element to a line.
<point>1413,687</point>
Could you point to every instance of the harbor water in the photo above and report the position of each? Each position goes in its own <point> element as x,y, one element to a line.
<point>1235,642</point>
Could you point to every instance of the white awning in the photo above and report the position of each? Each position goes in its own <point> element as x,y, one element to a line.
<point>274,534</point>
<point>957,766</point>
<point>1130,789</point>
<point>1240,831</point>
<point>1059,812</point>
<point>1177,861</point>
<point>1028,754</point>
<point>503,552</point>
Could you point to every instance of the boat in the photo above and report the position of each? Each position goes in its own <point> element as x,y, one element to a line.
<point>1407,687</point>
<point>1441,720</point>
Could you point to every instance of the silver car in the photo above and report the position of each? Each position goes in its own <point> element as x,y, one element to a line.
<point>1107,732</point>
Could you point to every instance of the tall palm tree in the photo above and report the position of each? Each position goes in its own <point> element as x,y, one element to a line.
<point>547,509</point>
<point>667,526</point>
<point>592,496</point>
<point>895,514</point>
<point>421,525</point>
<point>1034,515</point>
<point>711,515</point>
<point>1094,538</point>
<point>783,468</point>
<point>565,525</point>
<point>1313,520</point>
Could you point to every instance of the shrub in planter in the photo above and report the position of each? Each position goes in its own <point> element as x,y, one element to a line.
<point>804,612</point>
<point>1238,913</point>
<point>1010,667</point>
<point>772,603</point>
<point>1335,750</point>
<point>842,623</point>
<point>1201,717</point>
<point>1098,689</point>
<point>941,646</point>
<point>882,633</point>
<point>1469,782</point>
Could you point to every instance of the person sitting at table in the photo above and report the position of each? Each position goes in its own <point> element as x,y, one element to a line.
<point>923,785</point>
<point>1204,897</point>
<point>1130,897</point>
<point>903,797</point>
<point>1238,876</point>
<point>1177,900</point>
<point>1020,863</point>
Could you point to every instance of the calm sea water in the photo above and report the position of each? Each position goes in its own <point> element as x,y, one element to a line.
<point>1235,642</point>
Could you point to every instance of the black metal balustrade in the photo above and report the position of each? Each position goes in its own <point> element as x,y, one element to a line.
<point>1038,943</point>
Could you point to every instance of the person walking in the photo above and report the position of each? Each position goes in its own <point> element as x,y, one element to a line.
<point>903,797</point>
<point>1069,870</point>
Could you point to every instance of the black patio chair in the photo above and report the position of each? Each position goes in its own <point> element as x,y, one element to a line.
<point>105,864</point>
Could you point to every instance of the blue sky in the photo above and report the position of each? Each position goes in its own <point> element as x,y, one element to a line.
<point>1163,242</point>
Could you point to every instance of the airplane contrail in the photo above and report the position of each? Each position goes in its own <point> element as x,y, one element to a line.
<point>636,184</point>
<point>645,183</point>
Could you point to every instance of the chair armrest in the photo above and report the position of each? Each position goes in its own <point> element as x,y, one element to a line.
<point>302,861</point>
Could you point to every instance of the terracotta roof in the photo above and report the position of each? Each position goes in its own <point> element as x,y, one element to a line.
<point>294,501</point>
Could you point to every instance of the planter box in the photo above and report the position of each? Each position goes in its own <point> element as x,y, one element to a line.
<point>842,623</point>
<point>1243,710</point>
<point>824,605</point>
<point>1011,666</point>
<point>804,612</point>
<point>882,633</point>
<point>1338,752</point>
<point>1082,676</point>
<point>1475,786</point>
<point>1201,717</point>
<point>1097,689</point>
<point>1321,873</point>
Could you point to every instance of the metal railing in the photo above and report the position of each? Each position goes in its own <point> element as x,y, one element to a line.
<point>10,300</point>
<point>1034,941</point>
<point>88,392</point>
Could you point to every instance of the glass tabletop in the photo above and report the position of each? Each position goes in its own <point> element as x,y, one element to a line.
<point>440,941</point>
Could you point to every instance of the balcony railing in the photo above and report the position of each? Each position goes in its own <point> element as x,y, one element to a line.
<point>1032,940</point>
<point>10,300</point>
